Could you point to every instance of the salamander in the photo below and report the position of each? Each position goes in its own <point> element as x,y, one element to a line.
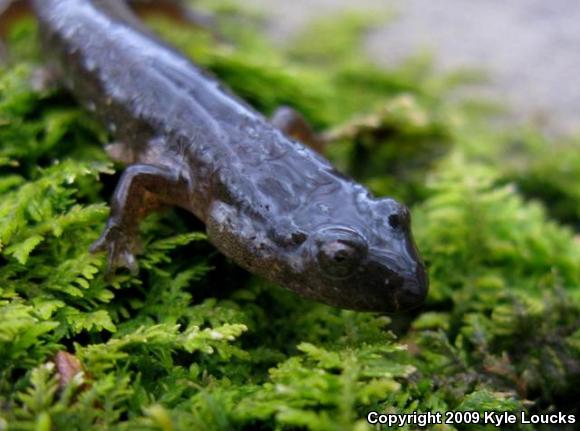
<point>273,205</point>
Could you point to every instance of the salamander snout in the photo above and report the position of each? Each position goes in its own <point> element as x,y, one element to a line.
<point>409,282</point>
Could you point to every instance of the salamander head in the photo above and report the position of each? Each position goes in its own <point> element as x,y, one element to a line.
<point>372,265</point>
<point>360,256</point>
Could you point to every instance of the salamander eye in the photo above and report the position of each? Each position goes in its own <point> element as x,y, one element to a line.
<point>340,257</point>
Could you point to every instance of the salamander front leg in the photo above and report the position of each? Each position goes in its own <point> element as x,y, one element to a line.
<point>295,126</point>
<point>141,190</point>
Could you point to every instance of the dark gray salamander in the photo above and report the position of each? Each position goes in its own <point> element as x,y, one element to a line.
<point>272,205</point>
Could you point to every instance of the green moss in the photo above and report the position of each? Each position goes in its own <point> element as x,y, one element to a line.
<point>196,343</point>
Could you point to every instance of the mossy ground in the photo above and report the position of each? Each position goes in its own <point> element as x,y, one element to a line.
<point>196,343</point>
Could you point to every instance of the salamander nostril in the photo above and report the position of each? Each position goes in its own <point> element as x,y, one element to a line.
<point>400,218</point>
<point>395,221</point>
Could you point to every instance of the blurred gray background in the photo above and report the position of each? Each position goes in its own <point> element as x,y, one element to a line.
<point>529,48</point>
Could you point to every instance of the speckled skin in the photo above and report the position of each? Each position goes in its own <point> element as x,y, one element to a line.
<point>274,206</point>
